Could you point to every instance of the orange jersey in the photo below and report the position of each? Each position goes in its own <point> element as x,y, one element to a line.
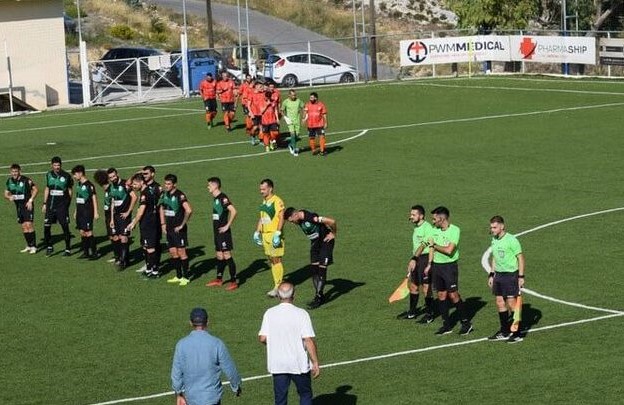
<point>225,90</point>
<point>256,103</point>
<point>246,90</point>
<point>316,114</point>
<point>208,89</point>
<point>268,116</point>
<point>276,97</point>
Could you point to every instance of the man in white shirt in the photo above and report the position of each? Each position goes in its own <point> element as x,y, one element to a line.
<point>291,348</point>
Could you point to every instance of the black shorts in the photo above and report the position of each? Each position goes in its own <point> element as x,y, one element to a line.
<point>313,132</point>
<point>228,107</point>
<point>150,235</point>
<point>84,222</point>
<point>120,227</point>
<point>223,241</point>
<point>445,276</point>
<point>418,276</point>
<point>506,284</point>
<point>268,128</point>
<point>211,104</point>
<point>256,119</point>
<point>58,214</point>
<point>177,239</point>
<point>322,252</point>
<point>24,214</point>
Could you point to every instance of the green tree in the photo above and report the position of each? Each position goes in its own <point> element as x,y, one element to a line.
<point>486,15</point>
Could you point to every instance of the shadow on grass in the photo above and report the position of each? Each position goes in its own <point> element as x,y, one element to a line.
<point>530,317</point>
<point>472,305</point>
<point>340,397</point>
<point>339,287</point>
<point>257,266</point>
<point>298,276</point>
<point>199,268</point>
<point>167,267</point>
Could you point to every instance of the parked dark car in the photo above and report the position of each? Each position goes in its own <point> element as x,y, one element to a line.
<point>120,64</point>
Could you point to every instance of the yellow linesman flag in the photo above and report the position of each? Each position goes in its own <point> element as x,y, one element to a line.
<point>401,292</point>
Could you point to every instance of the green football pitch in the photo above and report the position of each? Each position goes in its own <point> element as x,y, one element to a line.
<point>536,151</point>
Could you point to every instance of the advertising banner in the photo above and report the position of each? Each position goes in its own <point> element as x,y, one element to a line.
<point>454,49</point>
<point>611,51</point>
<point>529,48</point>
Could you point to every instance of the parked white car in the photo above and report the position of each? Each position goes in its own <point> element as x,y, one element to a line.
<point>291,68</point>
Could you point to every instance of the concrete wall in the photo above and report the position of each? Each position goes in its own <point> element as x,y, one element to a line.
<point>35,38</point>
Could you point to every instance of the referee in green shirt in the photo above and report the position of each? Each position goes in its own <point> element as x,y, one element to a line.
<point>506,277</point>
<point>443,258</point>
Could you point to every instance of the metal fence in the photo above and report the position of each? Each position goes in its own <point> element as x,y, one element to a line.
<point>328,61</point>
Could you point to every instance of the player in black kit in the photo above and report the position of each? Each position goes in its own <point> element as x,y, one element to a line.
<point>148,218</point>
<point>86,212</point>
<point>223,214</point>
<point>56,201</point>
<point>22,191</point>
<point>322,233</point>
<point>122,203</point>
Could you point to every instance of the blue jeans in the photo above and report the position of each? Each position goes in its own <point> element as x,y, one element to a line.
<point>303,382</point>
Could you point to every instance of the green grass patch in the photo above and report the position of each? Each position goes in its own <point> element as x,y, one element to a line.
<point>532,151</point>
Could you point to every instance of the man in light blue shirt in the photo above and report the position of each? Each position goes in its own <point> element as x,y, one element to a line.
<point>198,361</point>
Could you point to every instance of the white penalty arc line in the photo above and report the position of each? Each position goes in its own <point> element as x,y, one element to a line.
<point>417,124</point>
<point>216,159</point>
<point>486,264</point>
<point>383,356</point>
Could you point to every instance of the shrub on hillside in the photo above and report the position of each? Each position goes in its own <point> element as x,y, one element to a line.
<point>122,31</point>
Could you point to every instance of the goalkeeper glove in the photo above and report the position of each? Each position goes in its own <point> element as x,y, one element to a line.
<point>277,239</point>
<point>256,238</point>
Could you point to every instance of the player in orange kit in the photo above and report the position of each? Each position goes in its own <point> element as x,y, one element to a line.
<point>227,92</point>
<point>255,106</point>
<point>208,92</point>
<point>245,91</point>
<point>270,128</point>
<point>316,121</point>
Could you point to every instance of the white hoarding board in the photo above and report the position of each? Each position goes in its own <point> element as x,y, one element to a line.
<point>454,49</point>
<point>528,48</point>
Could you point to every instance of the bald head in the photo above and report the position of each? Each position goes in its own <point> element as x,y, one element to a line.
<point>286,291</point>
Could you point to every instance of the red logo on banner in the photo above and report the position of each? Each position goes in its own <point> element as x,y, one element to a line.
<point>527,48</point>
<point>417,51</point>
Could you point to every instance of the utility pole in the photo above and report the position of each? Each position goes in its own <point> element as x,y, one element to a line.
<point>373,41</point>
<point>209,23</point>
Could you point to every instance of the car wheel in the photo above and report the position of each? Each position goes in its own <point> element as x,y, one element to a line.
<point>152,78</point>
<point>289,81</point>
<point>347,78</point>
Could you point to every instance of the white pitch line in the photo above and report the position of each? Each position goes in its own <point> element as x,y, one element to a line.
<point>381,357</point>
<point>584,92</point>
<point>82,124</point>
<point>145,152</point>
<point>171,109</point>
<point>216,159</point>
<point>489,117</point>
<point>485,263</point>
<point>417,124</point>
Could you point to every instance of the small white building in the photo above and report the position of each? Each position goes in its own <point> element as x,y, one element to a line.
<point>33,31</point>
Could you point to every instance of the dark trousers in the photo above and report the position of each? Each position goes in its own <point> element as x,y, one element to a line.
<point>303,382</point>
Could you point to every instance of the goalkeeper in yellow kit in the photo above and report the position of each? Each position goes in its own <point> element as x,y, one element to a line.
<point>268,232</point>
